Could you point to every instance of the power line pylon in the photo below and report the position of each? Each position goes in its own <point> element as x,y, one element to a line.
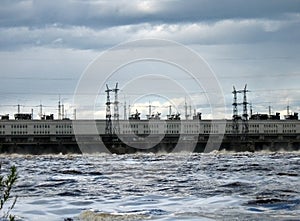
<point>245,112</point>
<point>108,127</point>
<point>116,128</point>
<point>235,116</point>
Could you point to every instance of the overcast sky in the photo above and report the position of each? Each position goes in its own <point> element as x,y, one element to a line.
<point>46,45</point>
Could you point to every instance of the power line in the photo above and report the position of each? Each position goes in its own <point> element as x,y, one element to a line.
<point>174,92</point>
<point>9,77</point>
<point>38,78</point>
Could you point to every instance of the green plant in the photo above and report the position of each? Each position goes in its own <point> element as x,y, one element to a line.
<point>6,184</point>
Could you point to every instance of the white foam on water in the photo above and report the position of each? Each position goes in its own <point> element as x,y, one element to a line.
<point>94,216</point>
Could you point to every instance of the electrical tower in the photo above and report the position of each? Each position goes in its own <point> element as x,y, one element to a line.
<point>245,113</point>
<point>74,114</point>
<point>125,111</point>
<point>236,117</point>
<point>116,128</point>
<point>186,110</point>
<point>150,111</point>
<point>62,111</point>
<point>59,109</point>
<point>108,127</point>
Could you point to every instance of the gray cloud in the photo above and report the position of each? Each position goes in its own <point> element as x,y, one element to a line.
<point>114,13</point>
<point>221,32</point>
<point>96,24</point>
<point>254,42</point>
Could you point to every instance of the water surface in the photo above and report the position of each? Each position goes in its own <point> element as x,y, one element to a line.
<point>215,186</point>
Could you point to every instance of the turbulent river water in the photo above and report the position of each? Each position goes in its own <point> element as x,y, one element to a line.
<point>215,186</point>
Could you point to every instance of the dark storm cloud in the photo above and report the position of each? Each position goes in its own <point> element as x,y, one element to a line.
<point>94,24</point>
<point>221,32</point>
<point>114,13</point>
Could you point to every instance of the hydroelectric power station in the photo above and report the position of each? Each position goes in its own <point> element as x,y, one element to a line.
<point>245,132</point>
